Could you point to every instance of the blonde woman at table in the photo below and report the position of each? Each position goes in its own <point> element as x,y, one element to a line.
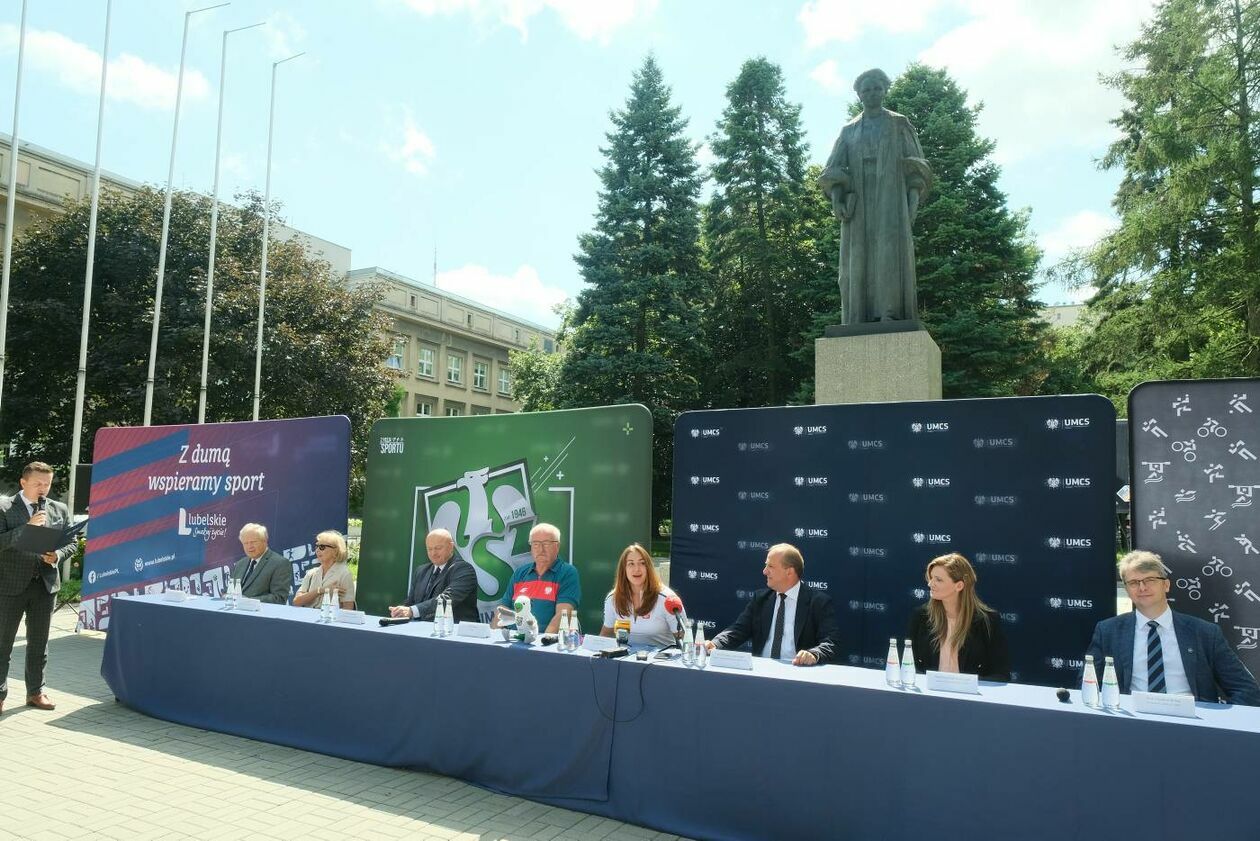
<point>332,573</point>
<point>955,631</point>
<point>638,597</point>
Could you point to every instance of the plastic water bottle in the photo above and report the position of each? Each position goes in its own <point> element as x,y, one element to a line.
<point>688,645</point>
<point>1089,683</point>
<point>564,632</point>
<point>325,607</point>
<point>892,665</point>
<point>1110,686</point>
<point>336,604</point>
<point>907,666</point>
<point>229,594</point>
<point>450,619</point>
<point>702,651</point>
<point>575,631</point>
<point>438,620</point>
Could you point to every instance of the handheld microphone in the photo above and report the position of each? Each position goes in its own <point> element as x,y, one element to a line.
<point>389,620</point>
<point>674,605</point>
<point>41,503</point>
<point>1063,695</point>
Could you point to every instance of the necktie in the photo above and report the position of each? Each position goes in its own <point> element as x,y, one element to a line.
<point>249,570</point>
<point>776,648</point>
<point>1154,658</point>
<point>433,577</point>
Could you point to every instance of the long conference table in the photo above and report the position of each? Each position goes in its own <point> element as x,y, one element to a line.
<point>776,753</point>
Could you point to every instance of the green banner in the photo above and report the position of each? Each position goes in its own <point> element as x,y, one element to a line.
<point>489,479</point>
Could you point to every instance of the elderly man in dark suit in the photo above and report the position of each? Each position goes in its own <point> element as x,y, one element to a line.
<point>443,574</point>
<point>1157,649</point>
<point>788,621</point>
<point>29,582</point>
<point>264,575</point>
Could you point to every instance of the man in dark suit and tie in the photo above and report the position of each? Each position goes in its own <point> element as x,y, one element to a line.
<point>264,575</point>
<point>789,621</point>
<point>29,582</point>
<point>443,574</point>
<point>1157,649</point>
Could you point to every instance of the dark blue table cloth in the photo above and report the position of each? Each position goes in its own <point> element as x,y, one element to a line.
<point>778,753</point>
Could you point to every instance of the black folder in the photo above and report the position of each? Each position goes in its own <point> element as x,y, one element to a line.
<point>41,539</point>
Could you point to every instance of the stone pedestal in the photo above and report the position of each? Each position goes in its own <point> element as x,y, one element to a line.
<point>876,363</point>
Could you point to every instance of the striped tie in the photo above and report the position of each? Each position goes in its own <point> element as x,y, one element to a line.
<point>1154,659</point>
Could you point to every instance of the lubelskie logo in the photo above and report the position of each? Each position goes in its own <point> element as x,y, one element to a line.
<point>489,512</point>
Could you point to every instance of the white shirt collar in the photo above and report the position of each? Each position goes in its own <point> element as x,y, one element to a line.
<point>30,504</point>
<point>795,592</point>
<point>1164,619</point>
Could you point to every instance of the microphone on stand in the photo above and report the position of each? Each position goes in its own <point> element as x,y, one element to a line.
<point>674,605</point>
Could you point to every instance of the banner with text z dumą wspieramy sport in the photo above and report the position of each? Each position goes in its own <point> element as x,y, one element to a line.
<point>168,502</point>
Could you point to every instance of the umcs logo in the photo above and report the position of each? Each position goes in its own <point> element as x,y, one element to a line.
<point>810,481</point>
<point>931,482</point>
<point>807,532</point>
<point>935,426</point>
<point>704,528</point>
<point>1059,603</point>
<point>1069,542</point>
<point>1067,423</point>
<point>706,480</point>
<point>920,537</point>
<point>819,429</point>
<point>706,433</point>
<point>1056,482</point>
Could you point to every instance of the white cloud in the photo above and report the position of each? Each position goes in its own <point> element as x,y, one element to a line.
<point>522,293</point>
<point>590,20</point>
<point>844,20</point>
<point>828,75</point>
<point>78,67</point>
<point>1035,66</point>
<point>285,36</point>
<point>415,152</point>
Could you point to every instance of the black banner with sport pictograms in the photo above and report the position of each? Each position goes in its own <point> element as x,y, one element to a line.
<point>1195,454</point>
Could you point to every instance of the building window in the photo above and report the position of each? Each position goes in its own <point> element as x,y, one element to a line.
<point>425,367</point>
<point>453,411</point>
<point>549,346</point>
<point>424,407</point>
<point>454,369</point>
<point>470,319</point>
<point>398,357</point>
<point>505,380</point>
<point>517,332</point>
<point>413,302</point>
<point>481,375</point>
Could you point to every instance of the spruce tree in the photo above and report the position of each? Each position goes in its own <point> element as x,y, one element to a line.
<point>635,333</point>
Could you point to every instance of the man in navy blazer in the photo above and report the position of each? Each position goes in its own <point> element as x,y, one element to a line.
<point>789,621</point>
<point>1159,650</point>
<point>443,574</point>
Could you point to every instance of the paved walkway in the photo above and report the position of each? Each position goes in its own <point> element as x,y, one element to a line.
<point>95,769</point>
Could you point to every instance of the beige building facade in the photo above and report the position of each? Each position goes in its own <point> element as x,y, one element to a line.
<point>449,353</point>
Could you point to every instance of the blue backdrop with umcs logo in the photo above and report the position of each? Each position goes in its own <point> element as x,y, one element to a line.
<point>1023,487</point>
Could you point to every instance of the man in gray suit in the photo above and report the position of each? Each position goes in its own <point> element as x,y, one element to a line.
<point>29,582</point>
<point>264,574</point>
<point>443,574</point>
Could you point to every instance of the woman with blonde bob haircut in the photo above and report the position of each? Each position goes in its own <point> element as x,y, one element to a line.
<point>638,597</point>
<point>955,631</point>
<point>332,573</point>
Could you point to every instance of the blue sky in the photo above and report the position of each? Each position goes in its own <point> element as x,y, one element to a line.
<point>474,126</point>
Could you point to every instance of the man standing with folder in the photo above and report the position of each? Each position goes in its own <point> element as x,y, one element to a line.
<point>29,581</point>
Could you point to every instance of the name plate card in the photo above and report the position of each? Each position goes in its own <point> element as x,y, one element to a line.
<point>479,630</point>
<point>731,659</point>
<point>594,642</point>
<point>246,603</point>
<point>174,596</point>
<point>950,682</point>
<point>1161,703</point>
<point>351,617</point>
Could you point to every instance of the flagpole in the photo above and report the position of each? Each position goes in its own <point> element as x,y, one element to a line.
<point>214,224</point>
<point>12,199</point>
<point>262,286</point>
<point>81,381</point>
<point>166,218</point>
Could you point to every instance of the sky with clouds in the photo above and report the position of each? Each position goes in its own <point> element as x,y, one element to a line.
<point>473,127</point>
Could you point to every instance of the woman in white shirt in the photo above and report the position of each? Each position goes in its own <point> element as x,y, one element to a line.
<point>638,597</point>
<point>332,573</point>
